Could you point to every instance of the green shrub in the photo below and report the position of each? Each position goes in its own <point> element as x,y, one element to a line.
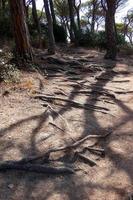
<point>88,39</point>
<point>121,39</point>
<point>9,73</point>
<point>101,40</point>
<point>97,39</point>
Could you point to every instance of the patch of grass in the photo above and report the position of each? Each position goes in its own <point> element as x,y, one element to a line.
<point>9,73</point>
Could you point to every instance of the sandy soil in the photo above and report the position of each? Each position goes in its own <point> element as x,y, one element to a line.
<point>25,130</point>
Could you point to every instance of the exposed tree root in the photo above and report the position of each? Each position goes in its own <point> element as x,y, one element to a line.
<point>103,92</point>
<point>14,165</point>
<point>61,61</point>
<point>53,124</point>
<point>72,103</point>
<point>121,81</point>
<point>62,118</point>
<point>30,164</point>
<point>70,147</point>
<point>86,159</point>
<point>96,151</point>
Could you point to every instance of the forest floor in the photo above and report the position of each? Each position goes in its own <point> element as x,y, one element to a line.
<point>104,90</point>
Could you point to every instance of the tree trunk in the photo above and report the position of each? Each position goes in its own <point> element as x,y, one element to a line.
<point>69,30</point>
<point>78,18</point>
<point>26,7</point>
<point>93,16</point>
<point>52,12</point>
<point>73,27</point>
<point>36,21</point>
<point>51,43</point>
<point>77,9</point>
<point>21,34</point>
<point>130,37</point>
<point>110,31</point>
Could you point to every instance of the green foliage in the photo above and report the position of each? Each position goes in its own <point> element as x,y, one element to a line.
<point>60,33</point>
<point>120,27</point>
<point>98,39</point>
<point>93,40</point>
<point>61,8</point>
<point>32,29</point>
<point>121,39</point>
<point>9,73</point>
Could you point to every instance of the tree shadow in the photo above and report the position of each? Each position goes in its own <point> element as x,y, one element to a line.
<point>122,162</point>
<point>71,186</point>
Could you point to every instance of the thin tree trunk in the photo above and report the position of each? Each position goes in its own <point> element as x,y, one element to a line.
<point>73,27</point>
<point>26,8</point>
<point>36,21</point>
<point>51,43</point>
<point>130,38</point>
<point>77,9</point>
<point>78,19</point>
<point>21,34</point>
<point>93,16</point>
<point>69,30</point>
<point>52,12</point>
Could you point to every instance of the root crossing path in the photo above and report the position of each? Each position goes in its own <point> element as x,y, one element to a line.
<point>71,120</point>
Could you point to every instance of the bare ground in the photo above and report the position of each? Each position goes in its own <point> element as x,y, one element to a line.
<point>25,129</point>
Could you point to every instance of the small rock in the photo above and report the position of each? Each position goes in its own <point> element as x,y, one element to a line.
<point>10,186</point>
<point>6,93</point>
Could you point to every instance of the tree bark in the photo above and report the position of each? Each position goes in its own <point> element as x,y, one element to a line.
<point>94,2</point>
<point>73,27</point>
<point>77,9</point>
<point>36,21</point>
<point>51,43</point>
<point>52,12</point>
<point>26,7</point>
<point>78,19</point>
<point>111,37</point>
<point>110,10</point>
<point>23,48</point>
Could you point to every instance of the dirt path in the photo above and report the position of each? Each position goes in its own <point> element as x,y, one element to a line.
<point>25,129</point>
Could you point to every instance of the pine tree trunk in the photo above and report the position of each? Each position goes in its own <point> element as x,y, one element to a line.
<point>21,34</point>
<point>93,16</point>
<point>26,8</point>
<point>77,9</point>
<point>110,32</point>
<point>36,21</point>
<point>72,22</point>
<point>51,43</point>
<point>52,12</point>
<point>78,18</point>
